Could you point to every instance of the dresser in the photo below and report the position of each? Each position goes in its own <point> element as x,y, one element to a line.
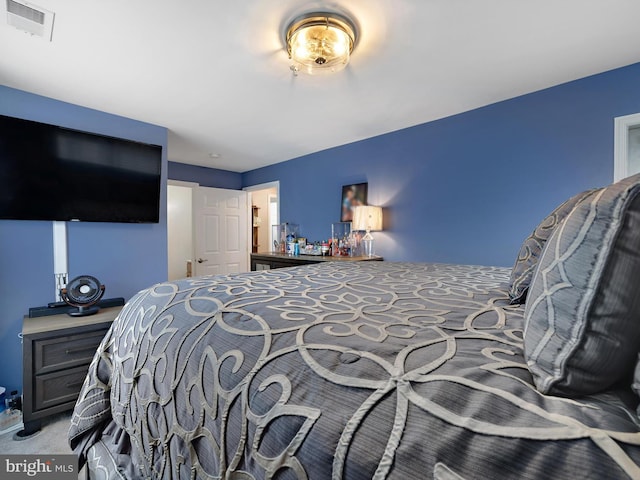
<point>56,353</point>
<point>269,260</point>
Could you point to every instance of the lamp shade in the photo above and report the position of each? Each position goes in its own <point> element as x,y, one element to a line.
<point>367,218</point>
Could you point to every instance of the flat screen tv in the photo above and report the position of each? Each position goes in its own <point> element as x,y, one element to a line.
<point>49,172</point>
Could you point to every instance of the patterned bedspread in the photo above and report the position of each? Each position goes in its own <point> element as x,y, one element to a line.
<point>338,371</point>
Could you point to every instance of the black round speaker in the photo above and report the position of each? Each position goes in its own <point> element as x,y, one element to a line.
<point>83,292</point>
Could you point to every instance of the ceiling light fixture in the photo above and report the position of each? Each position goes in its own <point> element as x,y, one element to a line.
<point>320,42</point>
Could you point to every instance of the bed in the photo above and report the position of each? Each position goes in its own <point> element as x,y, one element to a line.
<point>376,370</point>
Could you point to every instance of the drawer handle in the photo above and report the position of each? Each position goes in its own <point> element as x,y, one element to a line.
<point>74,384</point>
<point>71,351</point>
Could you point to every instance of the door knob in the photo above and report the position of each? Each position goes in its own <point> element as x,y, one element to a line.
<point>202,260</point>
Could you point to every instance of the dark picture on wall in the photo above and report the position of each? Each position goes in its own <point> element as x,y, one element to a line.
<point>352,196</point>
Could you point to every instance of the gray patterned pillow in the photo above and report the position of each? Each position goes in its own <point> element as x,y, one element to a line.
<point>582,319</point>
<point>531,248</point>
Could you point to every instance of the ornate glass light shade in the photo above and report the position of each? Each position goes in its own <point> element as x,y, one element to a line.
<point>320,42</point>
<point>367,218</point>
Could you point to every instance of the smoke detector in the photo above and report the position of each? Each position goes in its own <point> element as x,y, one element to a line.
<point>29,18</point>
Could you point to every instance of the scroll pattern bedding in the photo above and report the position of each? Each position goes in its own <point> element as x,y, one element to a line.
<point>358,371</point>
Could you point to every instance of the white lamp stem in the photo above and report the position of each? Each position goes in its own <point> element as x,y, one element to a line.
<point>367,243</point>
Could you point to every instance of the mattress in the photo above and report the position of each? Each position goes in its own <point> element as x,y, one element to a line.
<point>338,371</point>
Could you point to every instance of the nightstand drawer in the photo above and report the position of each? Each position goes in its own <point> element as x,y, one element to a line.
<point>59,387</point>
<point>57,353</point>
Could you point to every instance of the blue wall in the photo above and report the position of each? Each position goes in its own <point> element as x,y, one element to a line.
<point>467,188</point>
<point>206,177</point>
<point>464,189</point>
<point>125,257</point>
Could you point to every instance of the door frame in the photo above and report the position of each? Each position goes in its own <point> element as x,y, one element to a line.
<point>622,125</point>
<point>254,188</point>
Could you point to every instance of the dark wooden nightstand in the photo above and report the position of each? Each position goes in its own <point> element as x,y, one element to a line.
<point>269,260</point>
<point>56,353</point>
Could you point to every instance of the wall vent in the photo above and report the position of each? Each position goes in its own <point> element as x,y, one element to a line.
<point>29,18</point>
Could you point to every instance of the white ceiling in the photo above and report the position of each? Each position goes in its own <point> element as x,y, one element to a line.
<point>215,73</point>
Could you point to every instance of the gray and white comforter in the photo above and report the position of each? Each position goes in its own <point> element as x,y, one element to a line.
<point>338,371</point>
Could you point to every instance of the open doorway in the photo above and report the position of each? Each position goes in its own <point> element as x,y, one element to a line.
<point>180,229</point>
<point>626,146</point>
<point>207,230</point>
<point>265,203</point>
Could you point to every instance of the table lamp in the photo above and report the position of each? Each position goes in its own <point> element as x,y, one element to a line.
<point>367,218</point>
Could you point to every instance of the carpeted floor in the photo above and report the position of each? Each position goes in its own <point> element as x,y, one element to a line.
<point>51,439</point>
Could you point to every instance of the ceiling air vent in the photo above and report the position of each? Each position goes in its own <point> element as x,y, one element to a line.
<point>30,18</point>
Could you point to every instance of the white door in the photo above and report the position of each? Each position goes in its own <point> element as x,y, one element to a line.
<point>221,222</point>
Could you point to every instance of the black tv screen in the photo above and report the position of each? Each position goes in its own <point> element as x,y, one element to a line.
<point>49,172</point>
